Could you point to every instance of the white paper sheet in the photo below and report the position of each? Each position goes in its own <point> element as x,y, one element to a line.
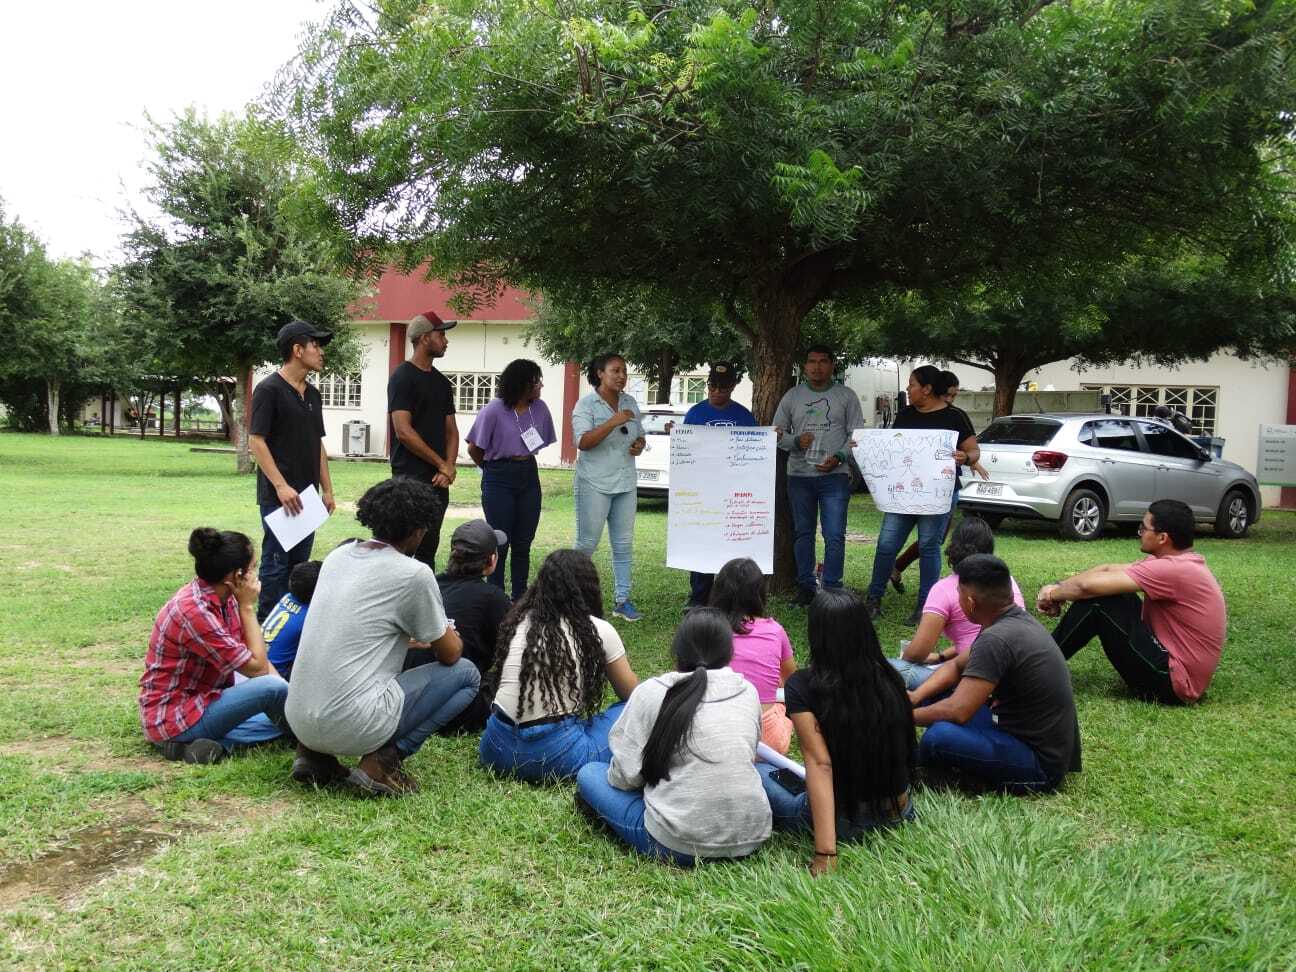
<point>775,758</point>
<point>907,470</point>
<point>292,530</point>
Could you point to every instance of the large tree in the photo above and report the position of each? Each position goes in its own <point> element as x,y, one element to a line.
<point>774,155</point>
<point>231,257</point>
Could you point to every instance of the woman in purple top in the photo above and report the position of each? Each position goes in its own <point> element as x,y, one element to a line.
<point>504,441</point>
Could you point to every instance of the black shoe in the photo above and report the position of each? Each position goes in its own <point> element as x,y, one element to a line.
<point>317,769</point>
<point>897,581</point>
<point>804,596</point>
<point>914,617</point>
<point>200,752</point>
<point>874,608</point>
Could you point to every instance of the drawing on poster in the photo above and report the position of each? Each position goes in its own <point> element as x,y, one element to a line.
<point>907,470</point>
<point>721,497</point>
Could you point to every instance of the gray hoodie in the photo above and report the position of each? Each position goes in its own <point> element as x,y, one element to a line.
<point>713,805</point>
<point>832,415</point>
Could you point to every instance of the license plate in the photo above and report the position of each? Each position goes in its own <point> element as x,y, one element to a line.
<point>990,489</point>
<point>649,475</point>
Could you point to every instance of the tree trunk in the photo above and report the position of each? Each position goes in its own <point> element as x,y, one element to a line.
<point>242,419</point>
<point>52,404</point>
<point>1008,378</point>
<point>176,416</point>
<point>665,375</point>
<point>222,393</point>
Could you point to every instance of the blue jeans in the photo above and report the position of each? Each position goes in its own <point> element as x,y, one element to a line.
<point>245,714</point>
<point>434,694</point>
<point>984,750</point>
<point>623,812</point>
<point>896,528</point>
<point>552,751</point>
<point>617,510</point>
<point>827,497</point>
<point>511,501</point>
<point>913,673</point>
<point>792,811</point>
<point>277,564</point>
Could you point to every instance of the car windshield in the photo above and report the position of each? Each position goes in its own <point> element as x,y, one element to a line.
<point>654,423</point>
<point>1019,431</point>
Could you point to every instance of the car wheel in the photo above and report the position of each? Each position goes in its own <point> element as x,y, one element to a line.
<point>1083,516</point>
<point>1234,517</point>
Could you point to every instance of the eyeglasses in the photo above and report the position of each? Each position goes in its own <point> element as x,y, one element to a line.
<point>1147,529</point>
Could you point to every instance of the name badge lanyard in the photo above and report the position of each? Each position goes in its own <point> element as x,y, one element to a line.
<point>531,437</point>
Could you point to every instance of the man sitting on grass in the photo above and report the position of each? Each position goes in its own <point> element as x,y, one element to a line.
<point>349,696</point>
<point>1010,720</point>
<point>283,625</point>
<point>1167,646</point>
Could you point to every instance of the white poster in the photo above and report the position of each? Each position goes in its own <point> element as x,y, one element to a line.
<point>907,470</point>
<point>721,497</point>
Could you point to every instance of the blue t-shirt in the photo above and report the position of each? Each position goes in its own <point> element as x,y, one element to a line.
<point>733,414</point>
<point>282,629</point>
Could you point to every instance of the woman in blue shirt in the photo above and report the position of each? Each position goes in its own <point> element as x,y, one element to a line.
<point>608,434</point>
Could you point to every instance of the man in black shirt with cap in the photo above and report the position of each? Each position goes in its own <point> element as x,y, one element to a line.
<point>287,442</point>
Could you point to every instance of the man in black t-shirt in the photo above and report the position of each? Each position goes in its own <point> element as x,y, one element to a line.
<point>420,403</point>
<point>287,441</point>
<point>1028,737</point>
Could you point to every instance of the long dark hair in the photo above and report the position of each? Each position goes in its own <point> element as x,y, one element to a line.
<point>217,552</point>
<point>972,536</point>
<point>739,591</point>
<point>702,641</point>
<point>861,705</point>
<point>516,380</point>
<point>566,589</point>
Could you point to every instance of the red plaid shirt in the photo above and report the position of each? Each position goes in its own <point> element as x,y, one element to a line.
<point>196,645</point>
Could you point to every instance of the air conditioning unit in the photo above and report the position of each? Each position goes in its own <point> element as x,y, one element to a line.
<point>355,438</point>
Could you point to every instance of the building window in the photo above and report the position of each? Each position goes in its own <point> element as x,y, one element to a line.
<point>1201,405</point>
<point>340,391</point>
<point>473,390</point>
<point>693,388</point>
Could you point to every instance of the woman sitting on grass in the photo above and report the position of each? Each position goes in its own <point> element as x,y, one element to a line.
<point>555,655</point>
<point>941,614</point>
<point>681,784</point>
<point>762,653</point>
<point>189,705</point>
<point>856,729</point>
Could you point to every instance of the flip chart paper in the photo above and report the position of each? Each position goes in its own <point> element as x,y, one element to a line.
<point>292,530</point>
<point>721,497</point>
<point>775,758</point>
<point>907,470</point>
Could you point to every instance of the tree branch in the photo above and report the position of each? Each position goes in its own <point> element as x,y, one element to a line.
<point>737,321</point>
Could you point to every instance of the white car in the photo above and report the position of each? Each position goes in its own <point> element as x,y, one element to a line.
<point>653,464</point>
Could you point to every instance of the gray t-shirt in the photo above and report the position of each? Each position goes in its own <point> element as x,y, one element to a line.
<point>1032,696</point>
<point>832,415</point>
<point>370,600</point>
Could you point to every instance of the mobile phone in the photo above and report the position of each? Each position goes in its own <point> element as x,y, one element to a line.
<point>789,781</point>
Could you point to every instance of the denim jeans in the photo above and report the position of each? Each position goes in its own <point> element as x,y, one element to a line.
<point>277,564</point>
<point>623,812</point>
<point>1131,647</point>
<point>552,751</point>
<point>982,749</point>
<point>511,501</point>
<point>700,588</point>
<point>427,550</point>
<point>617,510</point>
<point>828,497</point>
<point>913,673</point>
<point>896,528</point>
<point>792,810</point>
<point>245,714</point>
<point>434,694</point>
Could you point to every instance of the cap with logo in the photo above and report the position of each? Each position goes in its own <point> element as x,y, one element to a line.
<point>723,373</point>
<point>298,331</point>
<point>477,537</point>
<point>426,323</point>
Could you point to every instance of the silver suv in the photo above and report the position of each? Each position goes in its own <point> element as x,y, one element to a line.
<point>1085,471</point>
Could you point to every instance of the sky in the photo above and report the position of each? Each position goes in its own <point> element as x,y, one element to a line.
<point>77,78</point>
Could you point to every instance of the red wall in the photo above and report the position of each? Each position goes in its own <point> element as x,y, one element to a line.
<point>401,296</point>
<point>1288,501</point>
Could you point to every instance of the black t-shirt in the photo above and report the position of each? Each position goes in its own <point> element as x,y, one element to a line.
<point>429,398</point>
<point>950,417</point>
<point>1032,696</point>
<point>293,426</point>
<point>799,696</point>
<point>477,607</point>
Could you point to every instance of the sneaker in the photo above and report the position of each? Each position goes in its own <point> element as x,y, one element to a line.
<point>382,769</point>
<point>874,608</point>
<point>804,596</point>
<point>914,617</point>
<point>200,752</point>
<point>626,612</point>
<point>317,769</point>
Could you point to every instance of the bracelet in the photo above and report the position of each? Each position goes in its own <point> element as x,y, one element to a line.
<point>825,853</point>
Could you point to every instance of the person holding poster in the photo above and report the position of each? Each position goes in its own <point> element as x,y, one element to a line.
<point>605,425</point>
<point>814,422</point>
<point>927,409</point>
<point>720,409</point>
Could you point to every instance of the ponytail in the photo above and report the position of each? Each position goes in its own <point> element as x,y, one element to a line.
<point>674,722</point>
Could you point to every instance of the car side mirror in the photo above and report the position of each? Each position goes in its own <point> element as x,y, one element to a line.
<point>1204,454</point>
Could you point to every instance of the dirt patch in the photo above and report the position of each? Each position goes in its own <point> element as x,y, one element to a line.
<point>93,661</point>
<point>84,755</point>
<point>465,513</point>
<point>859,538</point>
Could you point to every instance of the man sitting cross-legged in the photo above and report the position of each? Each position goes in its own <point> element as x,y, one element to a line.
<point>348,694</point>
<point>1167,646</point>
<point>1010,720</point>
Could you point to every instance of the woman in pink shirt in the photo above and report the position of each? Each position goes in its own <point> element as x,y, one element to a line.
<point>941,614</point>
<point>762,653</point>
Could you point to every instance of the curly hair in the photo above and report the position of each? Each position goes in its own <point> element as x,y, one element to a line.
<point>516,380</point>
<point>558,607</point>
<point>395,508</point>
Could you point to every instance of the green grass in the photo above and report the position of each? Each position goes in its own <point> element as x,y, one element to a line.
<point>1175,847</point>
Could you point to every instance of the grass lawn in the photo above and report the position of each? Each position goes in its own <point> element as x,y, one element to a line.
<point>1175,847</point>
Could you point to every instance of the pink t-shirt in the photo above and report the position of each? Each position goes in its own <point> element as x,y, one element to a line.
<point>1184,607</point>
<point>758,656</point>
<point>943,600</point>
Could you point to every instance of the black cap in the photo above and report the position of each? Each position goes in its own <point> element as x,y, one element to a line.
<point>295,331</point>
<point>477,537</point>
<point>723,373</point>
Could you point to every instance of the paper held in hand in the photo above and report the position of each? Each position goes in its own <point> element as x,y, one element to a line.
<point>908,470</point>
<point>292,530</point>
